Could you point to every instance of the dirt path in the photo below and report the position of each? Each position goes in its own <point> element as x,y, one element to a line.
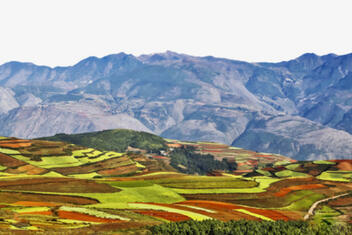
<point>315,204</point>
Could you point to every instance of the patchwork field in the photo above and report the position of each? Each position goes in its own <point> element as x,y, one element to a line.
<point>49,186</point>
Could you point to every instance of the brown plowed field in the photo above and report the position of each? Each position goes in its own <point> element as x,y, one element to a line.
<point>344,201</point>
<point>62,185</point>
<point>27,169</point>
<point>119,170</point>
<point>12,197</point>
<point>10,161</point>
<point>107,164</point>
<point>287,190</point>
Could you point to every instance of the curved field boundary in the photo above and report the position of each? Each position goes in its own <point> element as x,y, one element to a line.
<point>84,217</point>
<point>315,204</point>
<point>254,214</point>
<point>190,214</point>
<point>223,206</point>
<point>264,182</point>
<point>9,196</point>
<point>285,191</point>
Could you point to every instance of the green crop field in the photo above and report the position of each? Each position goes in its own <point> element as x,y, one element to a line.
<point>288,173</point>
<point>336,176</point>
<point>324,162</point>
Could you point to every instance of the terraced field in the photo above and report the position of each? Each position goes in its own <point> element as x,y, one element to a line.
<point>49,186</point>
<point>245,159</point>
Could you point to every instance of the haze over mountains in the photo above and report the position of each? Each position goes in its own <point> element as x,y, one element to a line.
<point>300,108</point>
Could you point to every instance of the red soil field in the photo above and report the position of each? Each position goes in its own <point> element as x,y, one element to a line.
<point>15,145</point>
<point>345,165</point>
<point>32,203</point>
<point>342,160</point>
<point>84,217</point>
<point>170,216</point>
<point>174,145</point>
<point>287,190</point>
<point>37,213</point>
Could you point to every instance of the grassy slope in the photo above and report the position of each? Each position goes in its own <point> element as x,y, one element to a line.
<point>114,140</point>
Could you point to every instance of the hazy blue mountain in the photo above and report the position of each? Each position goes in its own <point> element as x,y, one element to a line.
<point>301,108</point>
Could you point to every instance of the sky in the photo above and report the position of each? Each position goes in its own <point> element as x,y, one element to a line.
<point>62,32</point>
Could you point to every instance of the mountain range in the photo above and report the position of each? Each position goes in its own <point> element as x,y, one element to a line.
<point>300,108</point>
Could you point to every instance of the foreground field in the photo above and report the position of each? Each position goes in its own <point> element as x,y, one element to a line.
<point>50,186</point>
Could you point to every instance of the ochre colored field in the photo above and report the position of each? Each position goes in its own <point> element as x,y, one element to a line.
<point>13,197</point>
<point>10,161</point>
<point>287,190</point>
<point>344,165</point>
<point>170,216</point>
<point>27,169</point>
<point>63,185</point>
<point>15,145</point>
<point>84,217</point>
<point>32,203</point>
<point>37,213</point>
<point>119,170</point>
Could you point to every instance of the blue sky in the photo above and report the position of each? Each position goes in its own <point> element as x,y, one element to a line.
<point>64,32</point>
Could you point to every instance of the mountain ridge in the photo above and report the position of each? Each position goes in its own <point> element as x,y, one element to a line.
<point>186,97</point>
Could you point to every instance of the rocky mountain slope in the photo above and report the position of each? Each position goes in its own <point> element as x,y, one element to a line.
<point>300,108</point>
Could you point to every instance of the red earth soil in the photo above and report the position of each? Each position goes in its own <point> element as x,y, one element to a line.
<point>287,190</point>
<point>37,213</point>
<point>170,216</point>
<point>15,145</point>
<point>84,217</point>
<point>32,203</point>
<point>344,165</point>
<point>223,206</point>
<point>174,145</point>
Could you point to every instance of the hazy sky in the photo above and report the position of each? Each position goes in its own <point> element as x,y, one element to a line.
<point>51,32</point>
